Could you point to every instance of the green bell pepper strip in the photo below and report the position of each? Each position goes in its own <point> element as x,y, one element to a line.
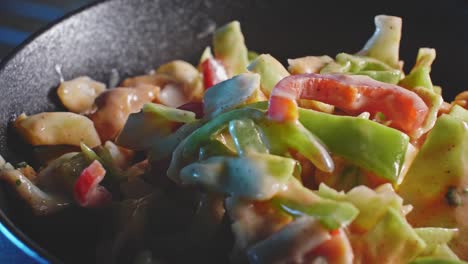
<point>419,81</point>
<point>392,238</point>
<point>392,76</point>
<point>368,144</point>
<point>281,137</point>
<point>154,122</point>
<point>439,167</point>
<point>420,74</point>
<point>255,176</point>
<point>361,65</point>
<point>434,101</point>
<point>163,148</point>
<point>331,214</point>
<point>246,137</point>
<point>372,204</point>
<point>293,241</point>
<point>229,47</point>
<point>214,148</point>
<point>356,139</point>
<point>230,94</point>
<point>434,237</point>
<point>384,44</point>
<point>306,143</point>
<point>270,70</point>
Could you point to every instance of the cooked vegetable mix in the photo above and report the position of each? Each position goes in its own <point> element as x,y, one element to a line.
<point>329,160</point>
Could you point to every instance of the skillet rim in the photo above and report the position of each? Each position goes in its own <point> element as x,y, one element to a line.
<point>15,235</point>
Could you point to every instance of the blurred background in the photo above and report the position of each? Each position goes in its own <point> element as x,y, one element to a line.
<point>20,18</point>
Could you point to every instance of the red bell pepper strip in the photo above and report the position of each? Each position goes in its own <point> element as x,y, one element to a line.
<point>87,191</point>
<point>353,94</point>
<point>213,72</point>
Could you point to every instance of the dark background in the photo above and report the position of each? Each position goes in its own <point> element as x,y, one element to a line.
<point>18,20</point>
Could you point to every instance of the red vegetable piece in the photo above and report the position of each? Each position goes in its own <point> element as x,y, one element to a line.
<point>87,191</point>
<point>353,94</point>
<point>335,250</point>
<point>213,72</point>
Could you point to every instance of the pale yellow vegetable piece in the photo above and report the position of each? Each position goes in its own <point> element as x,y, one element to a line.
<point>270,70</point>
<point>78,95</point>
<point>308,64</point>
<point>186,76</point>
<point>57,128</point>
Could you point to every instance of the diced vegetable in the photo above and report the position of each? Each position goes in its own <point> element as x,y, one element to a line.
<point>297,137</point>
<point>434,237</point>
<point>270,70</point>
<point>372,204</point>
<point>154,122</point>
<point>331,214</point>
<point>229,48</point>
<point>229,94</point>
<point>185,77</point>
<point>213,72</point>
<point>308,64</point>
<point>419,81</point>
<point>57,128</point>
<point>361,65</point>
<point>439,168</point>
<point>87,191</point>
<point>360,141</point>
<point>246,137</point>
<point>392,240</point>
<point>384,45</point>
<point>293,241</point>
<point>256,176</point>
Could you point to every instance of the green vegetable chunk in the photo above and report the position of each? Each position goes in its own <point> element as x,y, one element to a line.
<point>370,145</point>
<point>256,176</point>
<point>361,65</point>
<point>420,74</point>
<point>229,47</point>
<point>440,168</point>
<point>229,94</point>
<point>246,137</point>
<point>372,204</point>
<point>154,122</point>
<point>270,70</point>
<point>331,214</point>
<point>384,45</point>
<point>392,240</point>
<point>436,240</point>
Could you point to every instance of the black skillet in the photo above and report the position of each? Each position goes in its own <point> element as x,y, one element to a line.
<point>134,36</point>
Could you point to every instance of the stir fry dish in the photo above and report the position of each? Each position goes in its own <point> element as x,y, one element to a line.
<point>239,159</point>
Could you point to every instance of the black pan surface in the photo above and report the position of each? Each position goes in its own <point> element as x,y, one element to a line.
<point>134,36</point>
